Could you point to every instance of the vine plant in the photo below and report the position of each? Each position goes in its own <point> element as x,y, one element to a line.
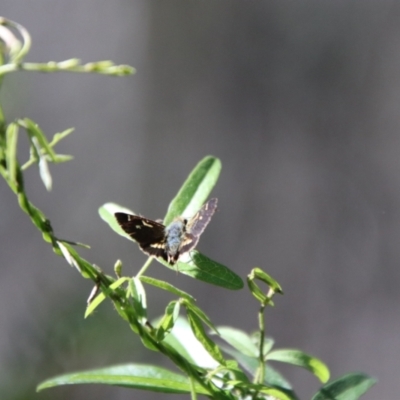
<point>204,369</point>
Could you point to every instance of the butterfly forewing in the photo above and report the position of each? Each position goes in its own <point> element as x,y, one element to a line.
<point>196,225</point>
<point>149,234</point>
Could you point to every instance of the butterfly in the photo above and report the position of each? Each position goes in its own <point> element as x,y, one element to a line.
<point>168,242</point>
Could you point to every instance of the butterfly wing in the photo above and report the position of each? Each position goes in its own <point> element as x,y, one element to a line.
<point>196,225</point>
<point>149,234</point>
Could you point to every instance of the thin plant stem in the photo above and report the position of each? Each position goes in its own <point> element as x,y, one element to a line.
<point>193,394</point>
<point>260,373</point>
<point>144,268</point>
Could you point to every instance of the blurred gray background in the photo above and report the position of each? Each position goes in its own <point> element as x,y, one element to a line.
<point>299,100</point>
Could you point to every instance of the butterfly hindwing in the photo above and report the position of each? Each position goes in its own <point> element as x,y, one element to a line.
<point>149,234</point>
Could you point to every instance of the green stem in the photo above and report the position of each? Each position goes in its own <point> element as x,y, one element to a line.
<point>102,67</point>
<point>259,377</point>
<point>144,268</point>
<point>260,373</point>
<point>193,394</point>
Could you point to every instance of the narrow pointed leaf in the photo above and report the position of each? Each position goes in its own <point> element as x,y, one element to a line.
<point>239,340</point>
<point>167,322</point>
<point>297,357</point>
<point>168,287</point>
<point>60,158</point>
<point>347,387</point>
<point>68,256</point>
<point>45,173</point>
<point>33,130</point>
<point>276,393</point>
<point>268,344</point>
<point>183,341</point>
<point>257,292</point>
<point>101,296</point>
<point>258,273</point>
<point>145,377</point>
<point>200,314</point>
<point>199,332</point>
<point>11,152</point>
<point>86,269</point>
<point>60,136</point>
<point>233,367</point>
<point>271,392</point>
<point>195,190</point>
<point>138,294</point>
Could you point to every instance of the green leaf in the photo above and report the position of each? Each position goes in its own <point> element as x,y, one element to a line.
<point>276,393</point>
<point>199,332</point>
<point>44,171</point>
<point>186,344</point>
<point>195,190</point>
<point>348,387</point>
<point>86,269</point>
<point>252,388</point>
<point>11,152</point>
<point>200,314</point>
<point>268,342</point>
<point>198,266</point>
<point>167,286</point>
<point>258,273</point>
<point>167,322</point>
<point>40,150</point>
<point>239,340</point>
<point>145,377</point>
<point>235,372</point>
<point>272,377</point>
<point>101,296</point>
<point>60,136</point>
<point>274,287</point>
<point>33,130</point>
<point>69,256</point>
<point>297,357</point>
<point>60,158</point>
<point>251,364</point>
<point>136,290</point>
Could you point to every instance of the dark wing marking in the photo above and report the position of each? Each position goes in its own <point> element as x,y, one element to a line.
<point>149,234</point>
<point>196,225</point>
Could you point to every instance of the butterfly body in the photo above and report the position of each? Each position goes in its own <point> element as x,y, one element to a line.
<point>174,235</point>
<point>167,242</point>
